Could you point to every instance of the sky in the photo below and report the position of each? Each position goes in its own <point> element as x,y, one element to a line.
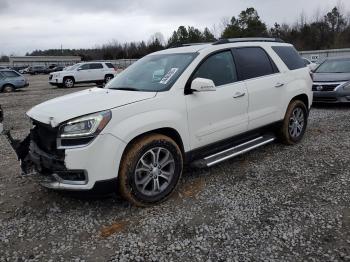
<point>26,25</point>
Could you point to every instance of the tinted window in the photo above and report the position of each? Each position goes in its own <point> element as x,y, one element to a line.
<point>96,66</point>
<point>109,65</point>
<point>10,74</point>
<point>253,62</point>
<point>289,56</point>
<point>334,66</point>
<point>219,67</point>
<point>85,67</point>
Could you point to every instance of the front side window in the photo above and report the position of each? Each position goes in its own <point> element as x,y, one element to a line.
<point>84,67</point>
<point>10,74</point>
<point>153,73</point>
<point>219,67</point>
<point>334,66</point>
<point>253,62</point>
<point>96,66</point>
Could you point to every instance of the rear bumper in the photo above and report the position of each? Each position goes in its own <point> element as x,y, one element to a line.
<point>331,97</point>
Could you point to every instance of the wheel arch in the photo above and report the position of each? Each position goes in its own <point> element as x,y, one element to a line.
<point>304,98</point>
<point>69,76</point>
<point>166,131</point>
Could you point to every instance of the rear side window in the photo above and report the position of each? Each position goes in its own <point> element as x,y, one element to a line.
<point>289,56</point>
<point>10,74</point>
<point>253,62</point>
<point>109,65</point>
<point>96,66</point>
<point>219,67</point>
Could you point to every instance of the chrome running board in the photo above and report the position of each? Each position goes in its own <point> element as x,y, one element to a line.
<point>234,151</point>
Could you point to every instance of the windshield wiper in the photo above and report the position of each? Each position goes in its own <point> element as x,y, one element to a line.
<point>125,88</point>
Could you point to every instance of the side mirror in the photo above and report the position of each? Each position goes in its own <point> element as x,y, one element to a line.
<point>202,85</point>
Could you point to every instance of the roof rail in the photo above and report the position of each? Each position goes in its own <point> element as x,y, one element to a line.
<point>191,44</point>
<point>247,39</point>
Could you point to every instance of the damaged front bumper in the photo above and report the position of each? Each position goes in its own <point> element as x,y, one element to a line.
<point>44,159</point>
<point>47,169</point>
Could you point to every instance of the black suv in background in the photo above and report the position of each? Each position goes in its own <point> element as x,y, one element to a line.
<point>35,70</point>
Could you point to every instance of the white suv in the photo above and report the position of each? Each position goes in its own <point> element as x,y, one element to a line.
<point>197,105</point>
<point>92,72</point>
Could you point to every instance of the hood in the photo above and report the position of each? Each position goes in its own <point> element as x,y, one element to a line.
<point>331,77</point>
<point>85,102</point>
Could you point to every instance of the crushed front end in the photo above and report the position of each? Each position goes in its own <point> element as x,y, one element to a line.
<point>40,158</point>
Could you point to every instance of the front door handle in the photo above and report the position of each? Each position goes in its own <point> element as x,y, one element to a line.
<point>238,95</point>
<point>279,85</point>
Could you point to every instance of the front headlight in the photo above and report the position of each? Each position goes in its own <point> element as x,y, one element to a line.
<point>86,126</point>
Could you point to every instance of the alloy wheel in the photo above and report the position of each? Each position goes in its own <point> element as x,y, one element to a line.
<point>154,171</point>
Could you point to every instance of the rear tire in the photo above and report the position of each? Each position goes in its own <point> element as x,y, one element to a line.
<point>68,82</point>
<point>8,89</point>
<point>294,124</point>
<point>108,78</point>
<point>150,170</point>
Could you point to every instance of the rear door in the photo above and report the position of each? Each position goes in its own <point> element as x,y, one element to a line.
<point>264,84</point>
<point>97,71</point>
<point>217,115</point>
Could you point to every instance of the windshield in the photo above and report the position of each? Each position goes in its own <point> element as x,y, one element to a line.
<point>152,73</point>
<point>334,66</point>
<point>73,67</point>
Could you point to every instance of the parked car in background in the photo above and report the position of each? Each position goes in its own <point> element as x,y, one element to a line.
<point>310,64</point>
<point>54,69</point>
<point>11,80</point>
<point>91,72</point>
<point>3,67</point>
<point>198,105</point>
<point>24,70</point>
<point>35,70</point>
<point>332,81</point>
<point>18,68</point>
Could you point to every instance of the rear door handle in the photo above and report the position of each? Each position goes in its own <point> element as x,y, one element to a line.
<point>238,95</point>
<point>279,85</point>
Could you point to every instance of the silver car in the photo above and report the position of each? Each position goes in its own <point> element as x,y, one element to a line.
<point>11,80</point>
<point>332,81</point>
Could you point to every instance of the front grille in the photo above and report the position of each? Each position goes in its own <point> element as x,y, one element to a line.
<point>325,99</point>
<point>326,88</point>
<point>50,77</point>
<point>45,137</point>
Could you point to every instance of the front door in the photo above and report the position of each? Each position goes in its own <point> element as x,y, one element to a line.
<point>220,114</point>
<point>83,73</point>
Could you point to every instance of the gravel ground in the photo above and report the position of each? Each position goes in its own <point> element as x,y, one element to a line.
<point>276,203</point>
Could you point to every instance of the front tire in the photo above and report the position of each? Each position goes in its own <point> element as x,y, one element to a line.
<point>8,89</point>
<point>68,82</point>
<point>294,124</point>
<point>150,170</point>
